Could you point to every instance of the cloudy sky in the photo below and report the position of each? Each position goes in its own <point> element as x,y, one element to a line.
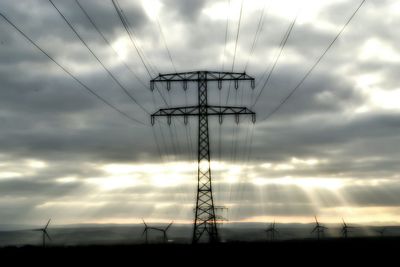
<point>332,150</point>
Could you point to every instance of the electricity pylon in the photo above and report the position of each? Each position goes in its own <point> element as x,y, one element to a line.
<point>205,219</point>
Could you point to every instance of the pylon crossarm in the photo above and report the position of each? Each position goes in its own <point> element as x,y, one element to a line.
<point>195,111</point>
<point>180,111</point>
<point>227,110</point>
<point>210,76</point>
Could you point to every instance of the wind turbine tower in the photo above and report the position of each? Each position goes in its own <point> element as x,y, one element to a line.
<point>345,229</point>
<point>163,231</point>
<point>44,233</point>
<point>272,232</point>
<point>382,231</point>
<point>319,229</point>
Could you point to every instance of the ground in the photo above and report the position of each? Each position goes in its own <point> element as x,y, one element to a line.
<point>379,251</point>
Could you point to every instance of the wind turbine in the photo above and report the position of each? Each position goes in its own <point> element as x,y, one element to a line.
<point>382,231</point>
<point>319,229</point>
<point>271,230</point>
<point>345,229</point>
<point>146,228</point>
<point>44,233</point>
<point>164,231</point>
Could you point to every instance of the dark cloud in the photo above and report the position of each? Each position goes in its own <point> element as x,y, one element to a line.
<point>15,187</point>
<point>386,194</point>
<point>188,10</point>
<point>45,115</point>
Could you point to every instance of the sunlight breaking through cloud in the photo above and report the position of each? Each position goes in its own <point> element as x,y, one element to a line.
<point>332,149</point>
<point>305,183</point>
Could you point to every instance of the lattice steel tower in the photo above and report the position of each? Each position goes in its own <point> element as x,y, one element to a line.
<point>205,219</point>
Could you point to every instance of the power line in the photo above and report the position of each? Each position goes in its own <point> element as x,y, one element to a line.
<point>126,27</point>
<point>282,45</point>
<point>253,46</point>
<point>226,34</point>
<point>165,44</point>
<point>126,65</point>
<point>164,142</point>
<point>234,130</point>
<point>108,42</point>
<point>173,65</point>
<point>160,129</point>
<point>98,59</point>
<point>256,35</point>
<point>152,67</point>
<point>91,91</point>
<point>236,43</point>
<point>182,195</point>
<point>315,64</point>
<point>220,91</point>
<point>174,133</point>
<point>246,156</point>
<point>157,144</point>
<point>125,24</point>
<point>237,35</point>
<point>255,39</point>
<point>92,22</point>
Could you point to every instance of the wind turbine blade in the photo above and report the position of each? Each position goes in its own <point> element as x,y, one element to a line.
<point>315,228</point>
<point>45,232</point>
<point>169,225</point>
<point>144,231</point>
<point>47,224</point>
<point>144,222</point>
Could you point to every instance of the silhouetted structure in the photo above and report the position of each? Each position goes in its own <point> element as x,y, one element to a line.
<point>44,233</point>
<point>345,229</point>
<point>382,231</point>
<point>205,219</point>
<point>221,214</point>
<point>163,231</point>
<point>272,232</point>
<point>318,229</point>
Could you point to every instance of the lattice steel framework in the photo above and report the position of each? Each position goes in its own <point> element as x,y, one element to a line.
<point>205,219</point>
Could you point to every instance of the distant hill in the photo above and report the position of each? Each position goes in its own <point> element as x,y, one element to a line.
<point>99,234</point>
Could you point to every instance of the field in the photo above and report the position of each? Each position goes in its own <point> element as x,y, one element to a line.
<point>338,251</point>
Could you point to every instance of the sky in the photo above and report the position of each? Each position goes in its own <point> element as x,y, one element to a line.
<point>332,150</point>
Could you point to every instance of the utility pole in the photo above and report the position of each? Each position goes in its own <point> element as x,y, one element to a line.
<point>205,220</point>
